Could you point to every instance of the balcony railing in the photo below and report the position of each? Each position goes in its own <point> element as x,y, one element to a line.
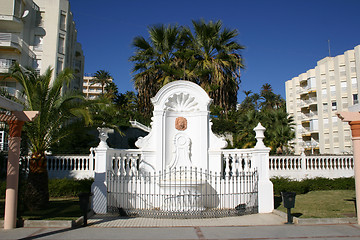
<point>14,41</point>
<point>5,65</point>
<point>13,92</point>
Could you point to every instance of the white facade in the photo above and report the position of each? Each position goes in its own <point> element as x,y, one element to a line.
<point>180,147</point>
<point>314,97</point>
<point>91,90</point>
<point>38,34</point>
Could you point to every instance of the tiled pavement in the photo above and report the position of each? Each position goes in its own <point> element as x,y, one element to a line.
<point>247,220</point>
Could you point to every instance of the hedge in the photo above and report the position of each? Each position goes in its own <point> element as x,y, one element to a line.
<point>60,187</point>
<point>315,184</point>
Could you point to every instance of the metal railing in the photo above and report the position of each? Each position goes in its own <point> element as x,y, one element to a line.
<point>11,39</point>
<point>182,193</point>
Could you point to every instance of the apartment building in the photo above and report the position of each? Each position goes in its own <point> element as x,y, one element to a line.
<point>91,90</point>
<point>314,97</point>
<point>39,34</point>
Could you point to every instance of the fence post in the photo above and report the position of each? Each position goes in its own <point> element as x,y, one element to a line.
<point>99,187</point>
<point>303,164</point>
<point>265,186</point>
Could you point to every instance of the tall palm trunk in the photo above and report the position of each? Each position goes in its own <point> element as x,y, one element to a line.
<point>37,189</point>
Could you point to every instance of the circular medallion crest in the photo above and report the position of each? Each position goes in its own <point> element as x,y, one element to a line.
<point>181,123</point>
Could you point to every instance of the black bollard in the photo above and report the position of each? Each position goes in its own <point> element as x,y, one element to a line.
<point>289,202</point>
<point>84,200</point>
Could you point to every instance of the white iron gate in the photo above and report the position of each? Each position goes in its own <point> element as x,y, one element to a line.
<point>183,193</point>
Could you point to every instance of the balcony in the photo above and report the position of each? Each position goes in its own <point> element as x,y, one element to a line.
<point>5,65</point>
<point>13,41</point>
<point>10,40</point>
<point>304,103</point>
<point>13,92</point>
<point>311,145</point>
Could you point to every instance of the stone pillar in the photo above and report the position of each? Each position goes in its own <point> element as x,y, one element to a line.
<point>353,118</point>
<point>355,131</point>
<point>265,186</point>
<point>12,179</point>
<point>99,186</point>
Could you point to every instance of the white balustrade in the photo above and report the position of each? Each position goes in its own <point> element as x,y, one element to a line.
<point>301,167</point>
<point>69,166</point>
<point>124,162</point>
<point>77,167</point>
<point>236,160</point>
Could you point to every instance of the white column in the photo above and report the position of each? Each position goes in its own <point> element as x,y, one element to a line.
<point>99,186</point>
<point>261,159</point>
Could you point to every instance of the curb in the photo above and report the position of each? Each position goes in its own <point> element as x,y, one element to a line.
<point>309,221</point>
<point>52,223</point>
<point>49,223</point>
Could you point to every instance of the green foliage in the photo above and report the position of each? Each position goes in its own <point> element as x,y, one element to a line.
<point>69,187</point>
<point>314,184</point>
<point>79,142</point>
<point>2,189</point>
<point>59,187</point>
<point>267,108</point>
<point>208,55</point>
<point>103,78</point>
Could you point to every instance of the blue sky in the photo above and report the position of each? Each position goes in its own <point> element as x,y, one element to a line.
<point>282,38</point>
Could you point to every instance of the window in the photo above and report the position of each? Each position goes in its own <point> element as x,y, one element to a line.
<point>63,20</point>
<point>343,86</point>
<point>314,125</point>
<point>333,106</point>
<point>352,66</point>
<point>332,74</point>
<point>354,82</point>
<point>355,99</point>
<point>344,101</point>
<point>326,123</point>
<point>60,63</point>
<point>6,63</point>
<point>334,119</point>
<point>61,43</point>
<point>333,90</point>
<point>324,93</point>
<point>323,78</point>
<point>342,70</point>
<point>17,8</point>
<point>325,107</point>
<point>311,82</point>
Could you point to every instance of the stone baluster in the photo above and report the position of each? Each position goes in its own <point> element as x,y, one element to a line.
<point>260,157</point>
<point>102,165</point>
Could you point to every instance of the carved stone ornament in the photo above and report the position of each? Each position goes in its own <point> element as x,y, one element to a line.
<point>181,102</point>
<point>181,123</point>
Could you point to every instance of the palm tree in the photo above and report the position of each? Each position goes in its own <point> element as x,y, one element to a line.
<point>154,62</point>
<point>218,61</point>
<point>279,129</point>
<point>245,135</point>
<point>57,112</point>
<point>270,99</point>
<point>209,57</point>
<point>103,78</point>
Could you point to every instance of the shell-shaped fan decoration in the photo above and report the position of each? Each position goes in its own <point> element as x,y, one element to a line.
<point>181,102</point>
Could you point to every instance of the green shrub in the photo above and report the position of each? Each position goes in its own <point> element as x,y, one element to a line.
<point>59,187</point>
<point>315,184</point>
<point>68,187</point>
<point>2,189</point>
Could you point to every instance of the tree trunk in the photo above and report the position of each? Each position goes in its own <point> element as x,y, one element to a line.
<point>37,189</point>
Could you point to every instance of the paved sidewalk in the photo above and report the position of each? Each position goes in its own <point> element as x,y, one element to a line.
<point>247,220</point>
<point>293,232</point>
<point>257,226</point>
